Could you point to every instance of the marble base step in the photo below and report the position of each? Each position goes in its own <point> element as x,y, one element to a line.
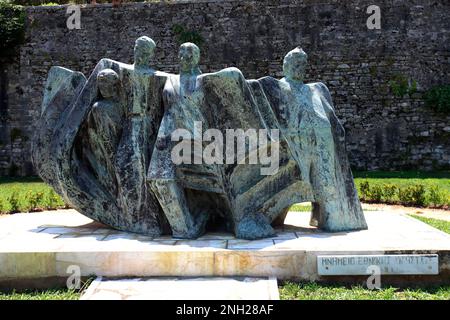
<point>207,288</point>
<point>50,246</point>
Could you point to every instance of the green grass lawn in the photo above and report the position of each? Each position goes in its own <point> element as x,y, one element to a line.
<point>435,223</point>
<point>300,207</point>
<point>307,208</point>
<point>52,294</point>
<point>288,291</point>
<point>9,185</point>
<point>49,294</point>
<point>314,291</point>
<point>402,178</point>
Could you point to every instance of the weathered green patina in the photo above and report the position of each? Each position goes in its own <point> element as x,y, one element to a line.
<point>107,146</point>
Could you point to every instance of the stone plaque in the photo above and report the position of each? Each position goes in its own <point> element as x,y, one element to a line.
<point>334,265</point>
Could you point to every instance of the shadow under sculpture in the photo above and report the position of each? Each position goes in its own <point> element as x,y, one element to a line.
<point>106,145</point>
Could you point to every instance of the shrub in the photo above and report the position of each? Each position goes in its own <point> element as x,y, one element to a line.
<point>2,206</point>
<point>183,35</point>
<point>14,203</point>
<point>435,196</point>
<point>364,188</point>
<point>54,201</point>
<point>35,200</point>
<point>376,193</point>
<point>412,195</point>
<point>438,98</point>
<point>401,85</point>
<point>12,26</point>
<point>390,191</point>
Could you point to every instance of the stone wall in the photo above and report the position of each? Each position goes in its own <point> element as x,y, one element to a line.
<point>383,131</point>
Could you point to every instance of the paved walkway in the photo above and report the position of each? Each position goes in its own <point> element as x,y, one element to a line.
<point>423,212</point>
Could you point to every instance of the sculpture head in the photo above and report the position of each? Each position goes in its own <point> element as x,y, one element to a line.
<point>144,48</point>
<point>107,82</point>
<point>294,64</point>
<point>189,56</point>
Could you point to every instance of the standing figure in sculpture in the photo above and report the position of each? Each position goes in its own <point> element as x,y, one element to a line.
<point>308,129</point>
<point>166,173</point>
<point>104,126</point>
<point>316,140</point>
<point>139,135</point>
